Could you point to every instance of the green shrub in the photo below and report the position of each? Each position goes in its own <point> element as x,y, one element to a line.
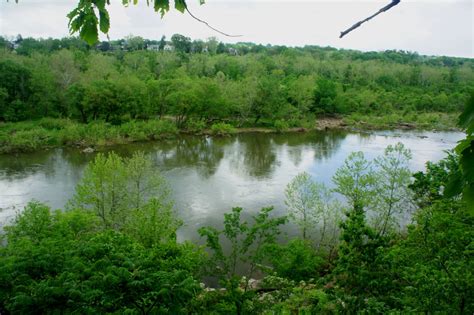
<point>156,129</point>
<point>296,261</point>
<point>133,130</point>
<point>62,262</point>
<point>221,129</point>
<point>27,140</point>
<point>195,125</point>
<point>280,125</point>
<point>73,134</point>
<point>54,123</point>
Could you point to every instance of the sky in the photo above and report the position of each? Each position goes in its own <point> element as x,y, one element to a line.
<point>429,27</point>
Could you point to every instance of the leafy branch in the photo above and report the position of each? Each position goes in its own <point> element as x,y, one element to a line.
<point>90,16</point>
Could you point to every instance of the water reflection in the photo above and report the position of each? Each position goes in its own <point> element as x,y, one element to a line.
<point>202,153</point>
<point>210,175</point>
<point>253,156</point>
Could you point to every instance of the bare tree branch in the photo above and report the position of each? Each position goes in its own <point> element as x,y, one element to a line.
<point>386,8</point>
<point>207,24</point>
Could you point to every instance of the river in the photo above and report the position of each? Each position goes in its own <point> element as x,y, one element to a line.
<point>210,175</point>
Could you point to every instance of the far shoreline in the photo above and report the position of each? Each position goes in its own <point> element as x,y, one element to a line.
<point>31,136</point>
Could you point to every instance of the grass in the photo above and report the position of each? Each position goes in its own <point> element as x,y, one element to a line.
<point>412,120</point>
<point>221,129</point>
<point>29,136</point>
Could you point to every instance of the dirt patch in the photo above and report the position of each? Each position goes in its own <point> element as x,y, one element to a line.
<point>330,123</point>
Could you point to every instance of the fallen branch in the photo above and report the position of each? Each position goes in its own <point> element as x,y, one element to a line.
<point>353,27</point>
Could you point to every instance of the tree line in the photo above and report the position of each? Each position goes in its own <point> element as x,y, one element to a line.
<point>207,81</point>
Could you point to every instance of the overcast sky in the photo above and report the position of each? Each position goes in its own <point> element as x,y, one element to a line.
<point>432,27</point>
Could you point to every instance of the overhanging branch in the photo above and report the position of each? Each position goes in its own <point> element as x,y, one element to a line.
<point>385,8</point>
<point>207,24</point>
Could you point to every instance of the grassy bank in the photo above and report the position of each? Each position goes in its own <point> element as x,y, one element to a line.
<point>412,120</point>
<point>45,133</point>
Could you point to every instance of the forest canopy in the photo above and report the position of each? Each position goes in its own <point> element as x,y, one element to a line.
<point>208,80</point>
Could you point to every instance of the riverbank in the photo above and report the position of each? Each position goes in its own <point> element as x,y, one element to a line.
<point>47,133</point>
<point>415,121</point>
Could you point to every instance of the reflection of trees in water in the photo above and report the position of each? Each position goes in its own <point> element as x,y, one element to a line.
<point>65,162</point>
<point>327,143</point>
<point>23,165</point>
<point>204,153</point>
<point>254,154</point>
<point>323,144</point>
<point>76,162</point>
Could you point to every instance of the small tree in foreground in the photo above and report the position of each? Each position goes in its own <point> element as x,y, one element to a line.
<point>248,247</point>
<point>312,207</point>
<point>355,180</point>
<point>393,196</point>
<point>304,202</point>
<point>128,195</point>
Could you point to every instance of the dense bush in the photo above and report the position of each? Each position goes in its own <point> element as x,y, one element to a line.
<point>221,129</point>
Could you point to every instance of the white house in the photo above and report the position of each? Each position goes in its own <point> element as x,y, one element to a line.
<point>168,47</point>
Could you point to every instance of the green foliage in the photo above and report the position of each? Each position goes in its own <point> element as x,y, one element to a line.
<point>84,20</point>
<point>435,261</point>
<point>324,96</point>
<point>360,265</point>
<point>48,132</point>
<point>429,186</point>
<point>221,129</point>
<point>248,241</point>
<point>355,180</point>
<point>393,196</point>
<point>194,125</point>
<point>297,260</point>
<point>463,180</point>
<point>128,195</point>
<point>15,85</point>
<point>273,87</point>
<point>409,119</point>
<point>303,299</point>
<point>312,207</point>
<point>62,263</point>
<point>249,244</point>
<point>280,125</point>
<point>304,202</point>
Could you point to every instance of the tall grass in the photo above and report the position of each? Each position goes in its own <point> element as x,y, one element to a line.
<point>438,121</point>
<point>49,132</point>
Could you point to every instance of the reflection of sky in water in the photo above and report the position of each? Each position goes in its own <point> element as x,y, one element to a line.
<point>210,176</point>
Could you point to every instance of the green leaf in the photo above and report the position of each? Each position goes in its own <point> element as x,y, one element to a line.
<point>161,6</point>
<point>180,5</point>
<point>466,119</point>
<point>89,31</point>
<point>104,21</point>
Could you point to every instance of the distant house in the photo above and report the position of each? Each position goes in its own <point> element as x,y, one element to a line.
<point>153,47</point>
<point>168,47</point>
<point>115,47</point>
<point>233,51</point>
<point>14,44</point>
<point>205,50</point>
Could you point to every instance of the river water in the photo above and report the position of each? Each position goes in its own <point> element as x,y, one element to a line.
<point>209,175</point>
